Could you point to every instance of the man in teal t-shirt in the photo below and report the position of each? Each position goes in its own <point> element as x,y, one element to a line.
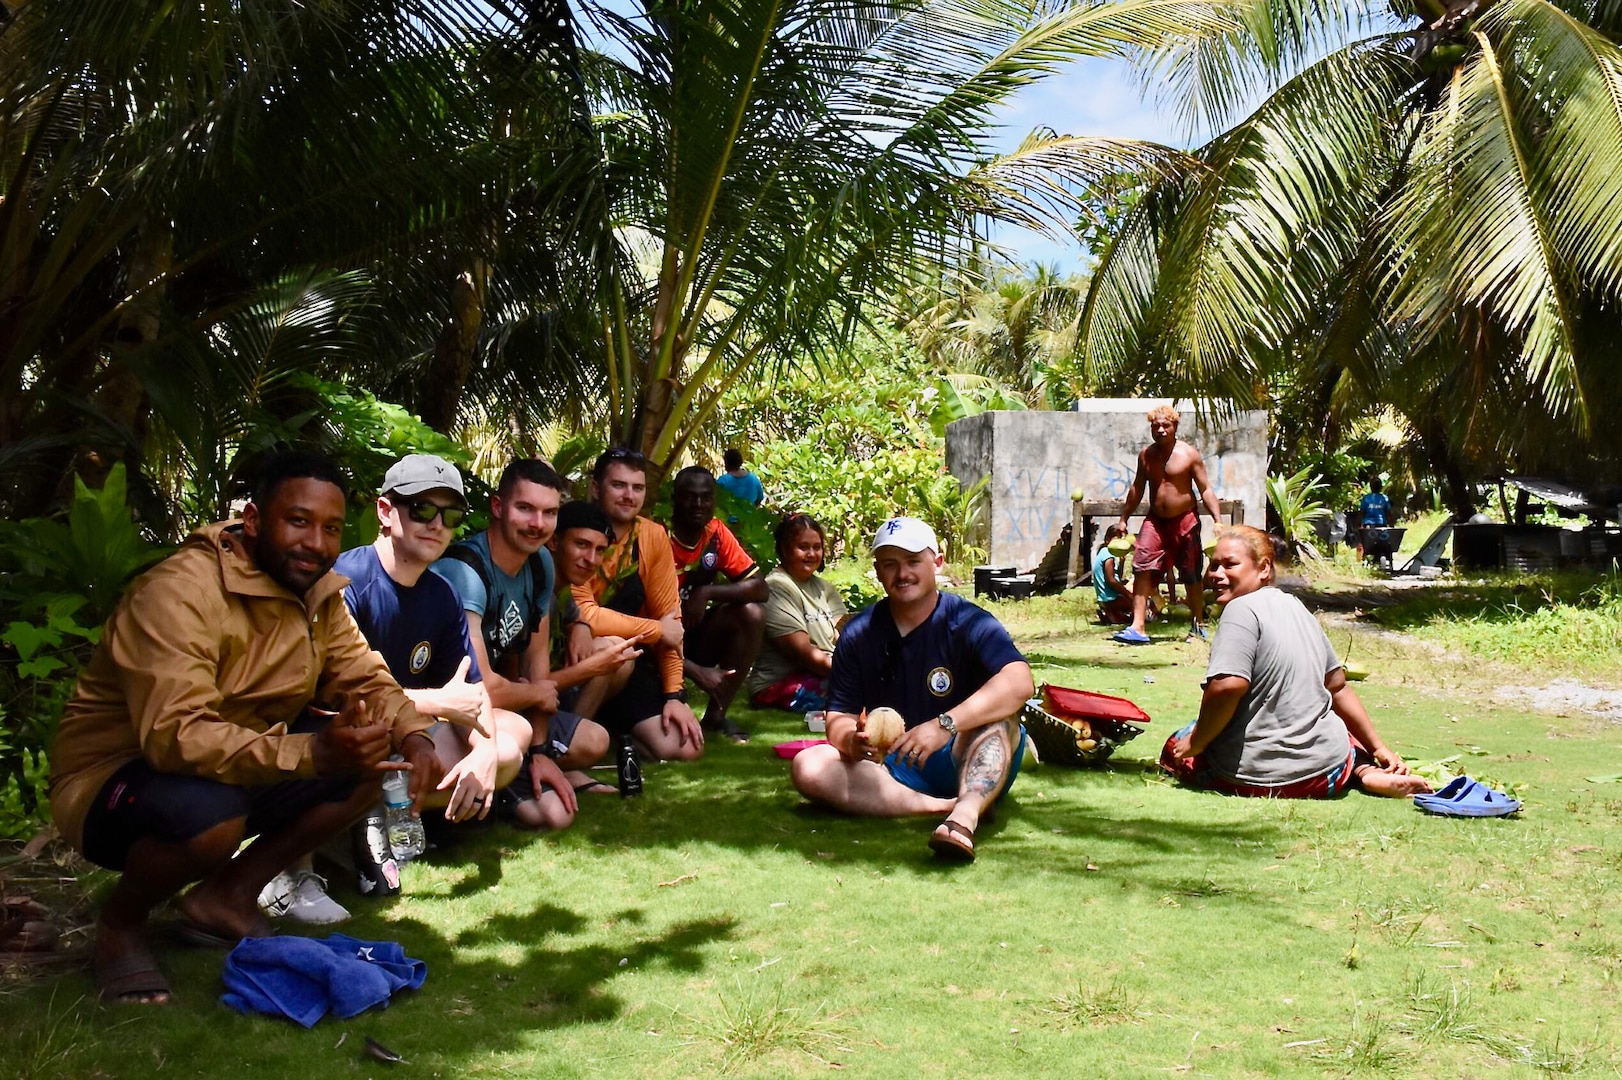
<point>739,482</point>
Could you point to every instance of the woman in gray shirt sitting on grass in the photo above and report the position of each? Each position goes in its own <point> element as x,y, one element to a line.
<point>1278,718</point>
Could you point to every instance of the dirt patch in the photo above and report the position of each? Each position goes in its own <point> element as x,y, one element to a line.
<point>1564,696</point>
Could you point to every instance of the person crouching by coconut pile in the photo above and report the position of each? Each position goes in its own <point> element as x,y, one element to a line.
<point>1114,596</point>
<point>1277,718</point>
<point>951,672</point>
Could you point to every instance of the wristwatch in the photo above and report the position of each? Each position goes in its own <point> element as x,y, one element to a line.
<point>945,721</point>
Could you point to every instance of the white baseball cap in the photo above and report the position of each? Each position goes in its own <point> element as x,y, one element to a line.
<point>908,534</point>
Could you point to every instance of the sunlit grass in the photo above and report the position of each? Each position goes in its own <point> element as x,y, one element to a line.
<point>1113,924</point>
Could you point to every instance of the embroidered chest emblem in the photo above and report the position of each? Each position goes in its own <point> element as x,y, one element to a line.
<point>940,682</point>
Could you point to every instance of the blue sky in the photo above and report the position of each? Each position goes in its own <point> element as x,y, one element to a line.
<point>1087,97</point>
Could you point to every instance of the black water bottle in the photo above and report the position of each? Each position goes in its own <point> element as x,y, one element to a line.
<point>629,768</point>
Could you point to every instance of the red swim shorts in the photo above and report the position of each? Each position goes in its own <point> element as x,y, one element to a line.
<point>1169,543</point>
<point>1193,772</point>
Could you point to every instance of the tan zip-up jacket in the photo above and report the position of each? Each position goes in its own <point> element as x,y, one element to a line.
<point>202,667</point>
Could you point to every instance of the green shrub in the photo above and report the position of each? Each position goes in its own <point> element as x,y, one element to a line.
<point>59,580</point>
<point>855,581</point>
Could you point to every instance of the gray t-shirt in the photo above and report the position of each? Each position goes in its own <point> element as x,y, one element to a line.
<point>1283,730</point>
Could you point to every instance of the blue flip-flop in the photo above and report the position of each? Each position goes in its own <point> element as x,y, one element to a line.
<point>1130,636</point>
<point>1464,797</point>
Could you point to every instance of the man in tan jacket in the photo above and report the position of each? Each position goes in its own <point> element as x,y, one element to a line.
<point>231,696</point>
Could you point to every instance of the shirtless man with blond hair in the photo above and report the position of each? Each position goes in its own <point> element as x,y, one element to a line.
<point>1169,541</point>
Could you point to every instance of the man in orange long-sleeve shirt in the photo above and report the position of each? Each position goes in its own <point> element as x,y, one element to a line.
<point>634,593</point>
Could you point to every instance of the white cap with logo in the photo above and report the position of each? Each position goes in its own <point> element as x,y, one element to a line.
<point>417,473</point>
<point>908,534</point>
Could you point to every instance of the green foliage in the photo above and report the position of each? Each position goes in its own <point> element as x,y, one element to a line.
<point>1296,500</point>
<point>90,555</point>
<point>59,580</point>
<point>366,435</point>
<point>853,497</point>
<point>854,579</point>
<point>754,526</point>
<point>858,443</point>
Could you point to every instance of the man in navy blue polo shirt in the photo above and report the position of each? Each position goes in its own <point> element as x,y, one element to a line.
<point>952,672</point>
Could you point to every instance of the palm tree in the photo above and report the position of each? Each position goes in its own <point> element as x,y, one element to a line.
<point>161,165</point>
<point>769,166</point>
<point>1423,210</point>
<point>1001,332</point>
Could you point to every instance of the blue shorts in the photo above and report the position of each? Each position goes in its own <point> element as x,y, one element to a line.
<point>939,776</point>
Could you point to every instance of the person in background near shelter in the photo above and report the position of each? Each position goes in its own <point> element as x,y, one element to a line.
<point>1277,717</point>
<point>722,619</point>
<point>1373,512</point>
<point>196,725</point>
<point>952,672</point>
<point>1169,541</point>
<point>504,577</point>
<point>742,483</point>
<point>637,579</point>
<point>1114,595</point>
<point>804,615</point>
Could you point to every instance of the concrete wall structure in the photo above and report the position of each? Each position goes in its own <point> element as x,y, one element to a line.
<point>1036,460</point>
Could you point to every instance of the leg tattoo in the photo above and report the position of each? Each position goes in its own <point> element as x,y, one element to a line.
<point>988,765</point>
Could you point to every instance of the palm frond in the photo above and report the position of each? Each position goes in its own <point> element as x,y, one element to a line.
<point>1474,231</point>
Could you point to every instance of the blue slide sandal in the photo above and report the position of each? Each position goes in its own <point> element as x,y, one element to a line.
<point>1464,797</point>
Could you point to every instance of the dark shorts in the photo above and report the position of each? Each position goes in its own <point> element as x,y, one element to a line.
<point>1166,544</point>
<point>643,696</point>
<point>1194,772</point>
<point>938,776</point>
<point>702,643</point>
<point>559,737</point>
<point>138,802</point>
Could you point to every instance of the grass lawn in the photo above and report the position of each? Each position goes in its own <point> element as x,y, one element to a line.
<point>1114,925</point>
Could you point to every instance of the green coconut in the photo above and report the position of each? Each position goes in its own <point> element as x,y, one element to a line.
<point>1355,671</point>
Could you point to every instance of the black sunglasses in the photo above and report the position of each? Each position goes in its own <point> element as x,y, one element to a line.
<point>422,511</point>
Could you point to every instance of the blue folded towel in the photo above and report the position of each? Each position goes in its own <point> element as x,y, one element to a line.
<point>303,979</point>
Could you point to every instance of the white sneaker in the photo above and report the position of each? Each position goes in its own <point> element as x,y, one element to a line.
<point>301,895</point>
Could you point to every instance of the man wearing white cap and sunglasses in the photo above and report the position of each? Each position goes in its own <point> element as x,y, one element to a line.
<point>952,672</point>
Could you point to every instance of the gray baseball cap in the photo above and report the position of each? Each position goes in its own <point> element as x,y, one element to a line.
<point>417,473</point>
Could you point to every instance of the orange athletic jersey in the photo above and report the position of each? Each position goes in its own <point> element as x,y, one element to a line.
<point>643,554</point>
<point>716,551</point>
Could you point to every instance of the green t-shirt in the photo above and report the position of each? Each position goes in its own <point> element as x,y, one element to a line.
<point>814,607</point>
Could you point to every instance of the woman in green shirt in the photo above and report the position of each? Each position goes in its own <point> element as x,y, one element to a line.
<point>804,615</point>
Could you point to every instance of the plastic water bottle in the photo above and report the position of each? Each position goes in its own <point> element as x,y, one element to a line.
<point>406,838</point>
<point>630,769</point>
<point>376,872</point>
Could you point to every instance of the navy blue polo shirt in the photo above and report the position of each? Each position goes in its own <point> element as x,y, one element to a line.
<point>420,631</point>
<point>934,669</point>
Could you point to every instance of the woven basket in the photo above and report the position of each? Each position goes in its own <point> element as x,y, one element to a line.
<point>1060,740</point>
